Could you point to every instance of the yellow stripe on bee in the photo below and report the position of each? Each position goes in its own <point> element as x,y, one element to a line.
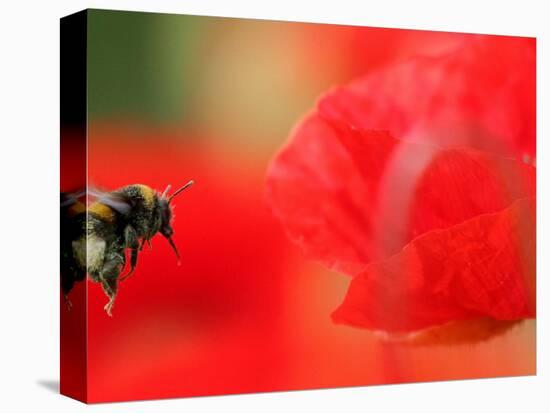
<point>77,208</point>
<point>103,211</point>
<point>147,193</point>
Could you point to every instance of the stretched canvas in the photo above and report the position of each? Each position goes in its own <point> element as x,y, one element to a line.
<point>255,206</point>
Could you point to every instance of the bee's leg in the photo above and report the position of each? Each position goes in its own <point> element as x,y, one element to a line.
<point>131,241</point>
<point>68,280</point>
<point>67,283</point>
<point>133,263</point>
<point>109,280</point>
<point>110,286</point>
<point>68,302</point>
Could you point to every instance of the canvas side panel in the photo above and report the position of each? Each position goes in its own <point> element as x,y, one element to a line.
<point>73,369</point>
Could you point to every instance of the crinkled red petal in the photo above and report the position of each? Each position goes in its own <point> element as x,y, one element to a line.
<point>483,267</point>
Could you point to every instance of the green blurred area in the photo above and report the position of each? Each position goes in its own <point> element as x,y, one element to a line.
<point>235,83</point>
<point>141,65</point>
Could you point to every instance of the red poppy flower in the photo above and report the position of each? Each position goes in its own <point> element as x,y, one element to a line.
<point>419,180</point>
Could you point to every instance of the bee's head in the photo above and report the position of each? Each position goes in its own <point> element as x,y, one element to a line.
<point>166,214</point>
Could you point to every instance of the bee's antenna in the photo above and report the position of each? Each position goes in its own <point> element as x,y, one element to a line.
<point>166,191</point>
<point>187,185</point>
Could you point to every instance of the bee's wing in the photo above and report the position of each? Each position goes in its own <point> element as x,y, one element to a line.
<point>112,199</point>
<point>70,198</point>
<point>95,194</point>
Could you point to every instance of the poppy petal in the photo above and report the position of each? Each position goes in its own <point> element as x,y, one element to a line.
<point>319,195</point>
<point>483,267</point>
<point>481,95</point>
<point>349,196</point>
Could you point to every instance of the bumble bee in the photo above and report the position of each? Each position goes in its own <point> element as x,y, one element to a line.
<point>123,219</point>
